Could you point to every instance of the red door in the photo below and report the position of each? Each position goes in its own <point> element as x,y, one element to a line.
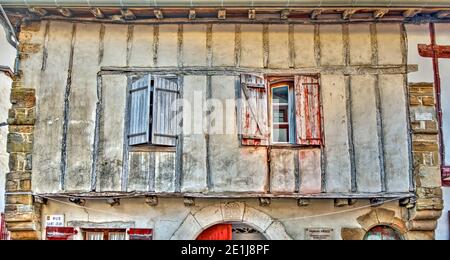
<point>217,232</point>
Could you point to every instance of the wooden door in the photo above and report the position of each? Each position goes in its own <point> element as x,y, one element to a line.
<point>217,232</point>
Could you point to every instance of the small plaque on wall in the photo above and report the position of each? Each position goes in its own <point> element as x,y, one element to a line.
<point>319,234</point>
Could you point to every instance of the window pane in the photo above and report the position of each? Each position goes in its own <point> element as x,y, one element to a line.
<point>117,236</point>
<point>94,235</point>
<point>280,133</point>
<point>280,114</point>
<point>280,95</point>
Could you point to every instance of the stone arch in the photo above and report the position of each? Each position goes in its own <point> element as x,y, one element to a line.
<point>195,223</point>
<point>376,217</point>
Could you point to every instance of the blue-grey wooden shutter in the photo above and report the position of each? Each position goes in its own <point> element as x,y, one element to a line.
<point>254,116</point>
<point>165,122</point>
<point>139,124</point>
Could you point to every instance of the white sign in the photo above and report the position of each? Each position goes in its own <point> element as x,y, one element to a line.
<point>424,117</point>
<point>55,221</point>
<point>319,234</point>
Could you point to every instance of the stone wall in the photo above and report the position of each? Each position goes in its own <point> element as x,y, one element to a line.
<point>425,135</point>
<point>22,213</point>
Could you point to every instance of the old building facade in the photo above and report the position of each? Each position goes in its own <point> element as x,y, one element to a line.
<point>299,127</point>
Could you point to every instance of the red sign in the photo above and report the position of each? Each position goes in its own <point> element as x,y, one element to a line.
<point>140,234</point>
<point>446,176</point>
<point>440,51</point>
<point>60,233</point>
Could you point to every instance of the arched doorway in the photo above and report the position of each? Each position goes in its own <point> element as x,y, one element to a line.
<point>382,232</point>
<point>231,231</point>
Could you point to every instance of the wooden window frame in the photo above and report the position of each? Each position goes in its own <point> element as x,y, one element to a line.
<point>274,80</point>
<point>105,231</point>
<point>291,111</point>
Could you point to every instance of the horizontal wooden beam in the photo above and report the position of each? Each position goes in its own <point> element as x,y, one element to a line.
<point>233,195</point>
<point>233,71</point>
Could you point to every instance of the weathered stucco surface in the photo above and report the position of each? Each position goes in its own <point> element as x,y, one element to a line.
<point>216,161</point>
<point>171,219</point>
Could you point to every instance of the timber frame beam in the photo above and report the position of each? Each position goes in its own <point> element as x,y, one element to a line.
<point>230,15</point>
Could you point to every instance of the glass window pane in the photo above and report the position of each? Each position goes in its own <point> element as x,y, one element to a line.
<point>94,235</point>
<point>280,133</point>
<point>280,95</point>
<point>281,114</point>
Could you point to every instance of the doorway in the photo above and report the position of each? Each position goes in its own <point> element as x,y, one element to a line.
<point>231,231</point>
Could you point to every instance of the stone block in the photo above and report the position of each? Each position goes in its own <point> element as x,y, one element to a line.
<point>276,231</point>
<point>430,204</point>
<point>25,235</point>
<point>189,229</point>
<point>233,211</point>
<point>26,199</point>
<point>23,97</point>
<point>22,116</point>
<point>368,220</point>
<point>352,233</point>
<point>429,177</point>
<point>19,143</point>
<point>20,162</point>
<point>420,235</point>
<point>208,216</point>
<point>260,220</point>
<point>422,225</point>
<point>385,216</point>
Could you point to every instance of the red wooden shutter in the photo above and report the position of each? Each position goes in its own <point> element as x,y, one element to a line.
<point>308,112</point>
<point>217,232</point>
<point>254,117</point>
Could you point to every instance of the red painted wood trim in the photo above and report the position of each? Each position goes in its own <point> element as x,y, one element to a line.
<point>446,176</point>
<point>440,50</point>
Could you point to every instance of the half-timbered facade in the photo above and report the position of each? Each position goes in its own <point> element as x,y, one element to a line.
<point>263,122</point>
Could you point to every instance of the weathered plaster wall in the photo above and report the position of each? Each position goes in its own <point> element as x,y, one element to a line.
<point>65,66</point>
<point>7,57</point>
<point>168,217</point>
<point>443,230</point>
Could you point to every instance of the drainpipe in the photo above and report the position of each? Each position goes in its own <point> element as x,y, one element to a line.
<point>437,83</point>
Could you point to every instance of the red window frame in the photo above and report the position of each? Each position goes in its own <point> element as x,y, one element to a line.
<point>105,231</point>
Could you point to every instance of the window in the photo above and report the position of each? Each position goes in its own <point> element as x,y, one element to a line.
<point>294,114</point>
<point>282,113</point>
<point>104,234</point>
<point>152,117</point>
<point>382,233</point>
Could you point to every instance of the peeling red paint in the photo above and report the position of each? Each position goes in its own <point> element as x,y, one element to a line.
<point>311,171</point>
